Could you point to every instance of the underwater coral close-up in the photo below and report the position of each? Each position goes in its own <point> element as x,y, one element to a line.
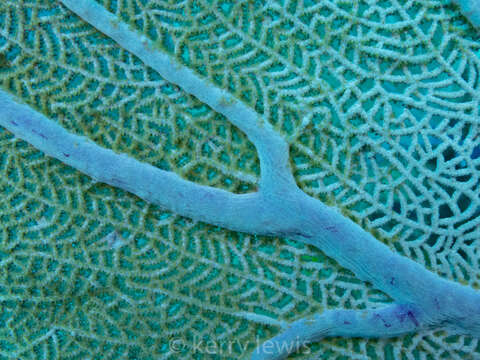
<point>251,179</point>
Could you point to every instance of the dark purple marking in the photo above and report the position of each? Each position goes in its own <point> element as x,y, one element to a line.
<point>392,281</point>
<point>385,323</point>
<point>437,303</point>
<point>39,133</point>
<point>347,322</point>
<point>332,228</point>
<point>13,122</point>
<point>412,317</point>
<point>67,155</point>
<point>405,313</point>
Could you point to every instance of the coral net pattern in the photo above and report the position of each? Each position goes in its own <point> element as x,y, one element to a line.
<point>379,102</point>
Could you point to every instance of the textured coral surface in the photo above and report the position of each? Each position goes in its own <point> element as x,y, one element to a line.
<point>379,102</point>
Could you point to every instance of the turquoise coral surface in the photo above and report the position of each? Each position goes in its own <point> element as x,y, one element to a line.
<point>379,103</point>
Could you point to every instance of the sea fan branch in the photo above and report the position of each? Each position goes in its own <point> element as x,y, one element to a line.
<point>244,212</point>
<point>272,148</point>
<point>279,208</point>
<point>389,321</point>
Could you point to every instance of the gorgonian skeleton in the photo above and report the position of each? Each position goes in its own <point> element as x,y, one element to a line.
<point>279,207</point>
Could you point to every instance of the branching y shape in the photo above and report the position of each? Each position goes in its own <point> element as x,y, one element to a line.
<point>271,147</point>
<point>423,299</point>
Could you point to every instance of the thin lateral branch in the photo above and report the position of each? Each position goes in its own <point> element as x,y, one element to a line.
<point>272,148</point>
<point>390,321</point>
<point>215,206</point>
<point>406,281</point>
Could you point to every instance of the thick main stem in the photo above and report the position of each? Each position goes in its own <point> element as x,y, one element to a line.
<point>290,212</point>
<point>245,213</point>
<point>442,301</point>
<point>280,208</point>
<point>424,299</point>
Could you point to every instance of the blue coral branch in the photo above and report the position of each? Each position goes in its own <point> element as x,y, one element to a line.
<point>280,208</point>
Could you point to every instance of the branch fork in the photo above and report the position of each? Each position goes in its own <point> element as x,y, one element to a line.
<point>422,299</point>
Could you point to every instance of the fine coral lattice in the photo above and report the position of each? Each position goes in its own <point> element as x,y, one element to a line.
<point>239,179</point>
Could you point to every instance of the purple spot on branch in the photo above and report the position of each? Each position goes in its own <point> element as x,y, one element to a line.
<point>67,155</point>
<point>331,228</point>
<point>347,322</point>
<point>13,122</point>
<point>412,317</point>
<point>406,313</point>
<point>385,323</point>
<point>39,134</point>
<point>392,281</point>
